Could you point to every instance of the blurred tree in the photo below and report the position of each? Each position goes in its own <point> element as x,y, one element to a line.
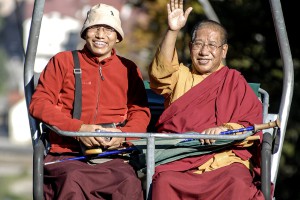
<point>149,29</point>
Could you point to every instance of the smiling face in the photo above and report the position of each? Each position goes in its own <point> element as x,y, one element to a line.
<point>208,49</point>
<point>100,40</point>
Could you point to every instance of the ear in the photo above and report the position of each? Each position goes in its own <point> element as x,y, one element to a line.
<point>224,50</point>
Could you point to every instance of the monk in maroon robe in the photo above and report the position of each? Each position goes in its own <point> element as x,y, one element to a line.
<point>208,98</point>
<point>222,97</point>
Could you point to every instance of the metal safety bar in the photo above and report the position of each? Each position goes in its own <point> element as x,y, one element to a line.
<point>150,155</point>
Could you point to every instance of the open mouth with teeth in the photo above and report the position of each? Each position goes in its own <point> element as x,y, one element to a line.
<point>100,44</point>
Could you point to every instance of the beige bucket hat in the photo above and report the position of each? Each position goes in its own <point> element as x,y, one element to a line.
<point>106,15</point>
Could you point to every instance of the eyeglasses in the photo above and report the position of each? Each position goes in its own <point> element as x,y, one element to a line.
<point>105,29</point>
<point>199,45</point>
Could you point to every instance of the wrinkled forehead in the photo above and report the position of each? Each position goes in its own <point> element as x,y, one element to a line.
<point>209,33</point>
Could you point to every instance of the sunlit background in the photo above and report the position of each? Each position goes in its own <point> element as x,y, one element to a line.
<point>253,51</point>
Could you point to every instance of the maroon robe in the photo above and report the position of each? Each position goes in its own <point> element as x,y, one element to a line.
<point>223,97</point>
<point>78,180</point>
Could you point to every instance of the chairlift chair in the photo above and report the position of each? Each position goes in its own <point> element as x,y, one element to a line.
<point>272,138</point>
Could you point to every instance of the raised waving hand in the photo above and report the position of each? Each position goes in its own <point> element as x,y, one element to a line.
<point>176,16</point>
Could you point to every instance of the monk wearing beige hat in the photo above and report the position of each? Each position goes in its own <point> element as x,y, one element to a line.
<point>113,100</point>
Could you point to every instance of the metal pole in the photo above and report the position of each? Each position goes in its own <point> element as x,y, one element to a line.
<point>30,59</point>
<point>288,79</point>
<point>150,161</point>
<point>30,54</point>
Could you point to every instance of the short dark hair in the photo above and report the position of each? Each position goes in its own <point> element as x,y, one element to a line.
<point>211,23</point>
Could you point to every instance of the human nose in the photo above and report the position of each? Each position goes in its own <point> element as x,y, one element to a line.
<point>100,32</point>
<point>204,49</point>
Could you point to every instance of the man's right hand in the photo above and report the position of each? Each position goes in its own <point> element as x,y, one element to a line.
<point>92,141</point>
<point>176,16</point>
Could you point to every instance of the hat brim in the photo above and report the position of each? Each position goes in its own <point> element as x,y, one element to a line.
<point>103,20</point>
